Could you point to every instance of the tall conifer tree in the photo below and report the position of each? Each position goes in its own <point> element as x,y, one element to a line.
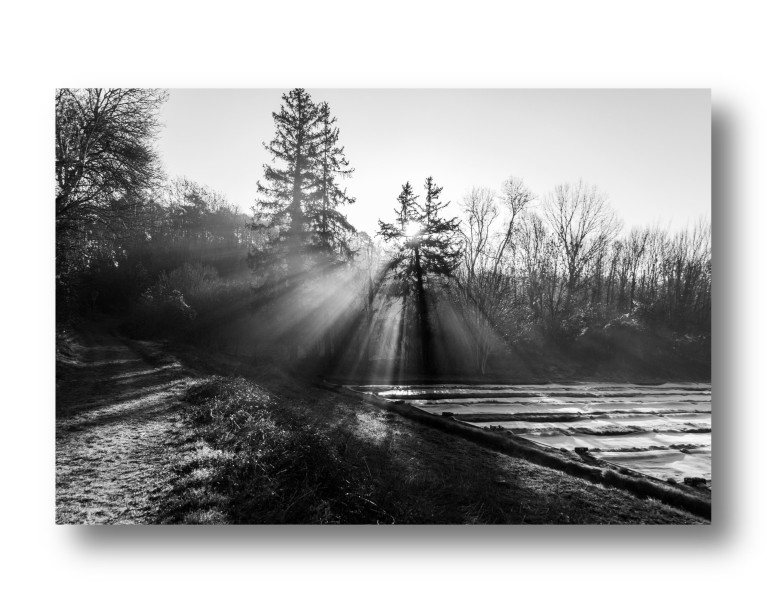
<point>285,193</point>
<point>439,246</point>
<point>421,230</point>
<point>427,247</point>
<point>300,230</point>
<point>330,228</point>
<point>298,201</point>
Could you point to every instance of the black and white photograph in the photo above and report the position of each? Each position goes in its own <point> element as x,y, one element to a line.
<point>383,306</point>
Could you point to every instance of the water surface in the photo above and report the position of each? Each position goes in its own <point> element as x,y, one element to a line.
<point>660,430</point>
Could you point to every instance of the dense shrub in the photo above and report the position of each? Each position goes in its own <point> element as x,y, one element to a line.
<point>185,301</point>
<point>161,309</point>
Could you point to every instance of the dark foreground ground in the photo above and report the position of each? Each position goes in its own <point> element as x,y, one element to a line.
<point>148,434</point>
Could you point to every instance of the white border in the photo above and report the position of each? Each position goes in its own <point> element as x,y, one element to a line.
<point>403,44</point>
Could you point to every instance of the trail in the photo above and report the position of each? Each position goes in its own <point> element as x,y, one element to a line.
<point>117,426</point>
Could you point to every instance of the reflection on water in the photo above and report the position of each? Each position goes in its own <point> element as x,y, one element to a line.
<point>659,430</point>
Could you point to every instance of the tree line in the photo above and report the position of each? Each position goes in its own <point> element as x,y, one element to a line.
<point>560,268</point>
<point>512,269</point>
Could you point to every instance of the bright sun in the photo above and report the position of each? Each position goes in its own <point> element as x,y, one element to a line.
<point>412,229</point>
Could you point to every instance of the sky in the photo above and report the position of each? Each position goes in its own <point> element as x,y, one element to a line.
<point>648,150</point>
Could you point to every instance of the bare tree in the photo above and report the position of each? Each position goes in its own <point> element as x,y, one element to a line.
<point>104,151</point>
<point>665,277</point>
<point>637,244</point>
<point>584,224</point>
<point>543,265</point>
<point>480,212</point>
<point>486,279</point>
<point>106,167</point>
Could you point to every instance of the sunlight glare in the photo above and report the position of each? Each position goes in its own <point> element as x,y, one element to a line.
<point>412,229</point>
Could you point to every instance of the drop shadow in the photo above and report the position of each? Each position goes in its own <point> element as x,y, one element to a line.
<point>727,363</point>
<point>727,215</point>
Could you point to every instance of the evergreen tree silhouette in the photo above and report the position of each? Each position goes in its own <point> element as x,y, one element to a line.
<point>427,249</point>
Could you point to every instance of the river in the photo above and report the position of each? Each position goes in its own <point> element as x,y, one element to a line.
<point>660,430</point>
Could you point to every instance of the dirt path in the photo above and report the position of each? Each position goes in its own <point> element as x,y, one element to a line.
<point>116,429</point>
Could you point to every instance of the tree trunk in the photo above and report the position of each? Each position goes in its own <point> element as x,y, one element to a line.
<point>423,317</point>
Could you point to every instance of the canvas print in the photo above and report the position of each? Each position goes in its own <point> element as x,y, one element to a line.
<point>383,306</point>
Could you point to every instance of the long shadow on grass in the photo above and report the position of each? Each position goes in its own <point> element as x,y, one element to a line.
<point>92,388</point>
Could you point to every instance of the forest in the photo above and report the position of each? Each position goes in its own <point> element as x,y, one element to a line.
<point>516,286</point>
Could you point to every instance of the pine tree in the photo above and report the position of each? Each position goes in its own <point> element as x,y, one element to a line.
<point>284,197</point>
<point>426,243</point>
<point>330,229</point>
<point>426,249</point>
<point>438,238</point>
<point>300,233</point>
<point>401,232</point>
<point>297,208</point>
